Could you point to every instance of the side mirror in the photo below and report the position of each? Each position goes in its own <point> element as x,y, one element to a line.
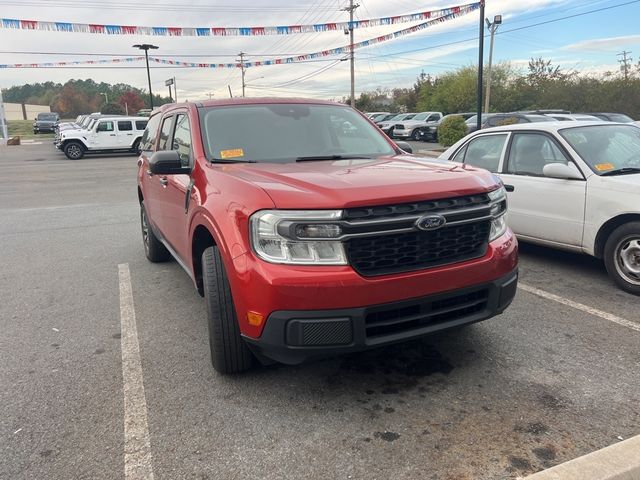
<point>404,146</point>
<point>167,162</point>
<point>560,170</point>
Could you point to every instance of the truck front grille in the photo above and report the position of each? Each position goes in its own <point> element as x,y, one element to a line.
<point>384,239</point>
<point>417,250</point>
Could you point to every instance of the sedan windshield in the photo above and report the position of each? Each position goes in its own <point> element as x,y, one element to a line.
<point>282,132</point>
<point>606,148</point>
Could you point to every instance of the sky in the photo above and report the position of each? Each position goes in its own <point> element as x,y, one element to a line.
<point>587,42</point>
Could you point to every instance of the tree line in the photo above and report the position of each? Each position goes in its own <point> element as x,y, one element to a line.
<point>77,97</point>
<point>541,86</point>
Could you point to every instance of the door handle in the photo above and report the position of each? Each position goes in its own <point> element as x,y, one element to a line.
<point>509,188</point>
<point>112,134</point>
<point>164,181</point>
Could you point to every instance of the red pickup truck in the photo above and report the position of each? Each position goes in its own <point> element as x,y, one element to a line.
<point>309,233</point>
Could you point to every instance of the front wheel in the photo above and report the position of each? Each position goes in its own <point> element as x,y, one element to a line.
<point>74,150</point>
<point>229,352</point>
<point>135,148</point>
<point>622,257</point>
<point>415,135</point>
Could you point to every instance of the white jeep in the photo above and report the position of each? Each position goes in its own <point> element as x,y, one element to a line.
<point>104,134</point>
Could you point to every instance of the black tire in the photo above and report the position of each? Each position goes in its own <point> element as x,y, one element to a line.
<point>153,248</point>
<point>229,353</point>
<point>415,135</point>
<point>74,150</point>
<point>622,257</point>
<point>135,148</point>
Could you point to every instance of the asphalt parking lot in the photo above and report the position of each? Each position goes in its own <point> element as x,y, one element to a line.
<point>556,376</point>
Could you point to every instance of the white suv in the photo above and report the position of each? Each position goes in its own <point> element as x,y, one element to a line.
<point>411,128</point>
<point>104,134</point>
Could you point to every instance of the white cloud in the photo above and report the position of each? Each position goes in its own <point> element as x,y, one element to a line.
<point>610,44</point>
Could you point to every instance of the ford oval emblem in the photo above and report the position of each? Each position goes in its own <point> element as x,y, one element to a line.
<point>431,222</point>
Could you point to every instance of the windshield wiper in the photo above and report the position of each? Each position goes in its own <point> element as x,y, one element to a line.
<point>621,171</point>
<point>227,160</point>
<point>331,157</point>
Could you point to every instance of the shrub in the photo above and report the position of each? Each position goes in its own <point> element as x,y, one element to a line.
<point>451,130</point>
<point>112,109</point>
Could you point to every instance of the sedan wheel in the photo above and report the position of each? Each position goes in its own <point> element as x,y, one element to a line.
<point>622,257</point>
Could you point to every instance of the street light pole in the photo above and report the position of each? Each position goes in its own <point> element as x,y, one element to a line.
<point>497,21</point>
<point>146,47</point>
<point>480,65</point>
<point>106,97</point>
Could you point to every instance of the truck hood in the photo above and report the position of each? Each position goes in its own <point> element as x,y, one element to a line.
<point>354,183</point>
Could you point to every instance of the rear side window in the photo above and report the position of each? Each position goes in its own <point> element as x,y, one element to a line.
<point>125,126</point>
<point>165,133</point>
<point>141,124</point>
<point>150,133</point>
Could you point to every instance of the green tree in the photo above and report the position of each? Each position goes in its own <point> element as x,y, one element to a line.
<point>112,108</point>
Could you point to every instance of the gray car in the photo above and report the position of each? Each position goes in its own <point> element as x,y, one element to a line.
<point>45,122</point>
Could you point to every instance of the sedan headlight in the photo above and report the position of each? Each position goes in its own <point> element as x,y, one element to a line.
<point>498,210</point>
<point>298,237</point>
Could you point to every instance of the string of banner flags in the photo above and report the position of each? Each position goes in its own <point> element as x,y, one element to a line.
<point>103,29</point>
<point>454,13</point>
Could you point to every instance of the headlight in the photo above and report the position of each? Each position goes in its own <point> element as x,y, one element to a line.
<point>298,237</point>
<point>498,210</point>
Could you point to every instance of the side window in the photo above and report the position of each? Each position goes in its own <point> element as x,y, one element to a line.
<point>125,126</point>
<point>165,133</point>
<point>182,139</point>
<point>105,127</point>
<point>484,152</point>
<point>141,124</point>
<point>530,152</point>
<point>150,133</point>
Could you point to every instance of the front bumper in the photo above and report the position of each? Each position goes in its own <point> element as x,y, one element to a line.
<point>406,133</point>
<point>292,337</point>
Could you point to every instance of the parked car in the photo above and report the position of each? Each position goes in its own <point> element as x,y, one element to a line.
<point>45,122</point>
<point>572,185</point>
<point>411,128</point>
<point>612,117</point>
<point>103,134</point>
<point>377,115</point>
<point>387,125</point>
<point>573,117</point>
<point>305,242</point>
<point>430,133</point>
<point>87,123</point>
<point>513,118</point>
<point>472,122</point>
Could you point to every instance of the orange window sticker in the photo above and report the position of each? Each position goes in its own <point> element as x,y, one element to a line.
<point>236,152</point>
<point>601,167</point>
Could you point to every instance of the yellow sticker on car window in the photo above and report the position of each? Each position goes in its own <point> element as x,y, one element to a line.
<point>236,152</point>
<point>601,167</point>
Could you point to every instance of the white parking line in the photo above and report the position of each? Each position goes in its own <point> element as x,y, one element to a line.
<point>579,306</point>
<point>137,446</point>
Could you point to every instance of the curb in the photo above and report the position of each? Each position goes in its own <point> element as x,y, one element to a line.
<point>620,461</point>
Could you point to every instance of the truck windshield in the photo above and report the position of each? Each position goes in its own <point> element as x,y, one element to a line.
<point>284,132</point>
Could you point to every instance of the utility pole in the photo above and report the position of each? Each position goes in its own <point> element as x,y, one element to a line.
<point>480,65</point>
<point>175,90</point>
<point>351,8</point>
<point>497,21</point>
<point>3,120</point>
<point>625,64</point>
<point>210,95</point>
<point>242,54</point>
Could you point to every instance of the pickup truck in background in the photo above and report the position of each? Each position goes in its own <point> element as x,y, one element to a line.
<point>308,241</point>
